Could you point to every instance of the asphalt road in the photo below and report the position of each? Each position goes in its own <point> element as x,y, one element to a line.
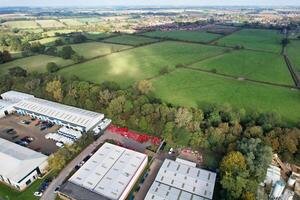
<point>49,193</point>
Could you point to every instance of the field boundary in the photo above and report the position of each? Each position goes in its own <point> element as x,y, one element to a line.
<point>292,71</point>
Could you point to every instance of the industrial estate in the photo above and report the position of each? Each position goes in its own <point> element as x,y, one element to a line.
<point>149,103</point>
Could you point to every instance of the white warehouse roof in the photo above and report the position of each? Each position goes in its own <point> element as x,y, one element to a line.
<point>110,171</point>
<point>5,104</point>
<point>15,96</point>
<point>176,180</point>
<point>69,114</point>
<point>17,161</point>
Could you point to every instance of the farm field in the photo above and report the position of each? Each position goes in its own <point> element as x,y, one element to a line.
<point>61,31</point>
<point>97,35</point>
<point>71,22</point>
<point>94,49</point>
<point>50,23</point>
<point>192,36</point>
<point>130,40</point>
<point>140,63</point>
<point>27,24</point>
<point>293,51</point>
<point>47,41</point>
<point>259,66</point>
<point>257,39</point>
<point>34,63</point>
<point>191,88</point>
<point>89,20</point>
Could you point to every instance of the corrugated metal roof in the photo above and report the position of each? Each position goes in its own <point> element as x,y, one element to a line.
<point>180,181</point>
<point>17,161</point>
<point>109,170</point>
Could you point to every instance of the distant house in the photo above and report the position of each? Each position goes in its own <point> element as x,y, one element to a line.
<point>20,166</point>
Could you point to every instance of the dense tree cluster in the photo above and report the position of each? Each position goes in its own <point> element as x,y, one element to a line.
<point>4,56</point>
<point>244,138</point>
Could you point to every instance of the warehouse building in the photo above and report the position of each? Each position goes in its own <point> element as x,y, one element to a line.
<point>6,108</point>
<point>20,166</point>
<point>181,179</point>
<point>63,115</point>
<point>109,174</point>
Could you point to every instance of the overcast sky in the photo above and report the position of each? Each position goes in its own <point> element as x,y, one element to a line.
<point>148,2</point>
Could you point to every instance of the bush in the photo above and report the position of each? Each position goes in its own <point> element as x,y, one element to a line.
<point>164,70</point>
<point>180,65</point>
<point>52,67</point>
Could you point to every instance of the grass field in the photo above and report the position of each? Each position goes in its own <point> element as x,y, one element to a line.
<point>34,63</point>
<point>293,51</point>
<point>61,31</point>
<point>89,20</point>
<point>192,36</point>
<point>94,49</point>
<point>71,22</point>
<point>22,24</point>
<point>97,35</point>
<point>258,39</point>
<point>140,63</point>
<point>130,40</point>
<point>191,88</point>
<point>252,65</point>
<point>50,23</point>
<point>47,41</point>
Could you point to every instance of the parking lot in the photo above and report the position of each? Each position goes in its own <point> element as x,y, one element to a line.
<point>15,128</point>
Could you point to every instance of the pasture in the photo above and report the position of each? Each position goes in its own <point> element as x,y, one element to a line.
<point>34,63</point>
<point>259,66</point>
<point>140,63</point>
<point>26,24</point>
<point>257,39</point>
<point>60,31</point>
<point>71,22</point>
<point>51,23</point>
<point>97,35</point>
<point>192,88</point>
<point>130,40</point>
<point>89,20</point>
<point>191,36</point>
<point>293,52</point>
<point>47,41</point>
<point>94,49</point>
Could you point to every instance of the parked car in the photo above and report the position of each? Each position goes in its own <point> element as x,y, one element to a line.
<point>38,194</point>
<point>60,144</point>
<point>27,139</point>
<point>22,143</point>
<point>9,130</point>
<point>171,151</point>
<point>56,190</point>
<point>25,122</point>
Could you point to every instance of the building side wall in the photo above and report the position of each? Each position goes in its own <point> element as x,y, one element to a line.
<point>134,180</point>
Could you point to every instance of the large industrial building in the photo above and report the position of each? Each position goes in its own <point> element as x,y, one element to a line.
<point>63,115</point>
<point>20,166</point>
<point>109,174</point>
<point>181,179</point>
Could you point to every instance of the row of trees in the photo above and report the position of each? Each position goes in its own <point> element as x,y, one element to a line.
<point>4,56</point>
<point>248,135</point>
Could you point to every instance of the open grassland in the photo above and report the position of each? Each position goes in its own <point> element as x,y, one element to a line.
<point>34,63</point>
<point>258,39</point>
<point>140,63</point>
<point>130,40</point>
<point>293,51</point>
<point>51,23</point>
<point>259,66</point>
<point>97,35</point>
<point>27,24</point>
<point>71,22</point>
<point>192,36</point>
<point>89,20</point>
<point>60,31</point>
<point>47,41</point>
<point>191,88</point>
<point>94,49</point>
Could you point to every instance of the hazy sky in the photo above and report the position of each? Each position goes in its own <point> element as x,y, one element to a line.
<point>147,2</point>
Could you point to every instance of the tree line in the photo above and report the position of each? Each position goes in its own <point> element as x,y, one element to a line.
<point>244,139</point>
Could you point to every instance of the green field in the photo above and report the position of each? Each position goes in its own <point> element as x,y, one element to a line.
<point>50,23</point>
<point>89,20</point>
<point>191,88</point>
<point>97,35</point>
<point>71,22</point>
<point>192,36</point>
<point>293,51</point>
<point>28,24</point>
<point>34,63</point>
<point>258,39</point>
<point>61,31</point>
<point>140,63</point>
<point>250,64</point>
<point>94,49</point>
<point>47,41</point>
<point>130,40</point>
